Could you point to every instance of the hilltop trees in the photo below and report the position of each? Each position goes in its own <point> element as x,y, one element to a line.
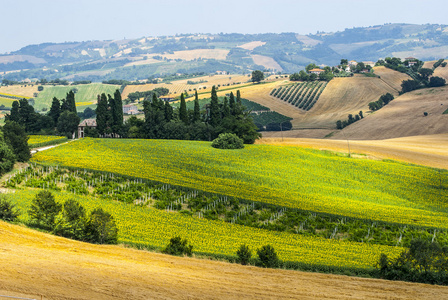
<point>109,114</point>
<point>257,76</point>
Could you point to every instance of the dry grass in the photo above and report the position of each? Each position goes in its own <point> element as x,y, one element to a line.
<point>267,62</point>
<point>391,77</point>
<point>252,45</point>
<point>20,90</point>
<point>307,40</point>
<point>404,117</point>
<point>35,264</point>
<point>429,150</point>
<point>441,72</point>
<point>218,54</point>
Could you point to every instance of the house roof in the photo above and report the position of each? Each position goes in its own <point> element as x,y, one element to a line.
<point>88,123</point>
<point>316,70</point>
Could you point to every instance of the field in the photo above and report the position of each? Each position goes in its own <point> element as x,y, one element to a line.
<point>19,90</point>
<point>289,177</point>
<point>87,93</point>
<point>391,77</point>
<point>218,54</point>
<point>36,141</point>
<point>66,269</point>
<point>301,95</point>
<point>404,116</point>
<point>267,62</point>
<point>7,102</point>
<point>252,45</point>
<point>179,86</point>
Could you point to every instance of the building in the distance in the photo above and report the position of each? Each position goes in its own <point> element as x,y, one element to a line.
<point>87,123</point>
<point>316,71</point>
<point>130,109</point>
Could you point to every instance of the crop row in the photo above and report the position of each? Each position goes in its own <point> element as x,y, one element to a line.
<point>302,95</point>
<point>290,177</point>
<point>36,141</point>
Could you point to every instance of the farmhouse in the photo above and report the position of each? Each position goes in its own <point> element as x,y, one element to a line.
<point>130,109</point>
<point>369,63</point>
<point>90,123</point>
<point>353,63</point>
<point>316,71</point>
<point>411,61</point>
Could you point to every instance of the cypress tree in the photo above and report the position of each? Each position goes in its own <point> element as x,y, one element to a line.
<point>238,105</point>
<point>232,103</point>
<point>71,101</point>
<point>111,108</point>
<point>55,110</point>
<point>226,108</point>
<point>14,114</point>
<point>64,106</point>
<point>168,111</point>
<point>197,111</point>
<point>118,117</point>
<point>183,110</point>
<point>214,109</point>
<point>101,114</point>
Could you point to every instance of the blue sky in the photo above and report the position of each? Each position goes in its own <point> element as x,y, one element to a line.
<point>38,21</point>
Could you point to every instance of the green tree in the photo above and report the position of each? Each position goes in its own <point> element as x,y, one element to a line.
<point>257,76</point>
<point>118,117</point>
<point>215,116</point>
<point>70,98</point>
<point>183,110</point>
<point>244,254</point>
<point>14,114</point>
<point>178,246</point>
<point>101,227</point>
<point>196,111</point>
<point>303,76</point>
<point>7,158</point>
<point>8,211</point>
<point>55,110</point>
<point>228,141</point>
<point>44,209</point>
<point>267,257</point>
<point>72,221</point>
<point>15,136</point>
<point>425,73</point>
<point>409,85</point>
<point>344,61</point>
<point>168,111</point>
<point>436,81</point>
<point>232,104</point>
<point>101,114</point>
<point>226,108</point>
<point>68,123</point>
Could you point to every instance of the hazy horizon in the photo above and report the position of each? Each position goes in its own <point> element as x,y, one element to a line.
<point>36,22</point>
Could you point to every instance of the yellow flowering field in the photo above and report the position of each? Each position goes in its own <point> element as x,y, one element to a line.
<point>35,141</point>
<point>288,176</point>
<point>140,225</point>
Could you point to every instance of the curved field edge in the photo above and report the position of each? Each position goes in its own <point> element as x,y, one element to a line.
<point>152,228</point>
<point>287,176</point>
<point>36,141</point>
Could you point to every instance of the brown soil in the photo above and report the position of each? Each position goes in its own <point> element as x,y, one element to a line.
<point>36,265</point>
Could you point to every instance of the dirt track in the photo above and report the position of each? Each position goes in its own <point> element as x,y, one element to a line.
<point>35,264</point>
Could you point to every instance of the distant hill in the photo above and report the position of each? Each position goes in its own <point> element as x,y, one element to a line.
<point>208,53</point>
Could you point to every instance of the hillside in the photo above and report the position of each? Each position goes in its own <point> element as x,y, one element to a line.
<point>134,59</point>
<point>404,117</point>
<point>391,77</point>
<point>66,269</point>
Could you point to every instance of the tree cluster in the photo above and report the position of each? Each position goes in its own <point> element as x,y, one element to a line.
<point>342,124</point>
<point>147,95</point>
<point>71,220</point>
<point>424,261</point>
<point>267,257</point>
<point>109,115</point>
<point>303,75</point>
<point>163,122</point>
<point>382,101</point>
<point>13,146</point>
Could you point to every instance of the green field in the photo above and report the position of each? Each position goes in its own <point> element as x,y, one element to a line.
<point>86,93</point>
<point>291,177</point>
<point>36,141</point>
<point>7,102</point>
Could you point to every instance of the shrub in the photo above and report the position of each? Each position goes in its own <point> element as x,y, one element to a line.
<point>228,141</point>
<point>40,88</point>
<point>8,212</point>
<point>101,227</point>
<point>178,246</point>
<point>267,257</point>
<point>44,210</point>
<point>244,254</point>
<point>436,81</point>
<point>7,158</point>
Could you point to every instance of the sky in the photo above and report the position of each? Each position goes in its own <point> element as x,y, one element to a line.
<point>38,21</point>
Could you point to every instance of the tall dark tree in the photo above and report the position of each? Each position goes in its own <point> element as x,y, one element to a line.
<point>55,110</point>
<point>257,76</point>
<point>28,117</point>
<point>68,123</point>
<point>118,117</point>
<point>65,106</point>
<point>7,158</point>
<point>226,108</point>
<point>101,114</point>
<point>15,136</point>
<point>196,111</point>
<point>232,103</point>
<point>111,109</point>
<point>14,114</point>
<point>44,209</point>
<point>183,110</point>
<point>71,101</point>
<point>215,115</point>
<point>168,111</point>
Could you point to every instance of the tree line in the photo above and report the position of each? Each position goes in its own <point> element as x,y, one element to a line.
<point>161,121</point>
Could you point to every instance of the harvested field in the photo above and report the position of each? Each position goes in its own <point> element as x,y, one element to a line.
<point>391,77</point>
<point>267,62</point>
<point>307,40</point>
<point>404,116</point>
<point>252,45</point>
<point>19,90</point>
<point>218,54</point>
<point>428,150</point>
<point>66,269</point>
